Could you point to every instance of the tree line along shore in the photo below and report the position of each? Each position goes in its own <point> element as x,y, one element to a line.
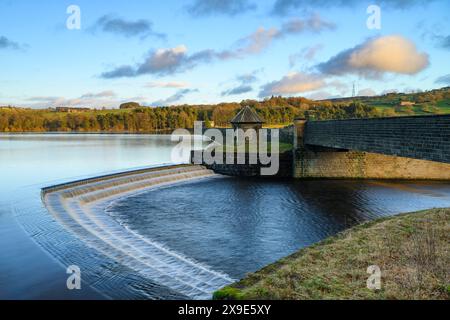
<point>276,111</point>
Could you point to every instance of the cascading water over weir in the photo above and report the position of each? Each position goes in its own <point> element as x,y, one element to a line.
<point>80,207</point>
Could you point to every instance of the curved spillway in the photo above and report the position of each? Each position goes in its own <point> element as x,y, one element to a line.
<point>80,208</point>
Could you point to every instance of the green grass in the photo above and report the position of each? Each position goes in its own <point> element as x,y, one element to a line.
<point>444,105</point>
<point>419,109</point>
<point>387,106</point>
<point>382,106</point>
<point>412,251</point>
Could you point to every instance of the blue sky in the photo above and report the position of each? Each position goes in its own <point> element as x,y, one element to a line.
<point>210,51</point>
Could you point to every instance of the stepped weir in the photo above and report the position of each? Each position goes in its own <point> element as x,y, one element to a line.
<point>81,206</point>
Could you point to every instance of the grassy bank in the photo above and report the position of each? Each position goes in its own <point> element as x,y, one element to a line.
<point>412,251</point>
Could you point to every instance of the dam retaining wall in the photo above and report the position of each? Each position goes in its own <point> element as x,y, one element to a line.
<point>317,153</point>
<point>420,137</point>
<point>365,165</point>
<point>230,166</point>
<point>409,148</point>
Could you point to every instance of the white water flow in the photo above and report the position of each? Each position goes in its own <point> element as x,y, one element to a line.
<point>81,208</point>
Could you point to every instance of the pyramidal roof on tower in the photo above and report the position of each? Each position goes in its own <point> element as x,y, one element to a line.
<point>246,115</point>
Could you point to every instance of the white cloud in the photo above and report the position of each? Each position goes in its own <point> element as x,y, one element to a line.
<point>321,95</point>
<point>257,41</point>
<point>170,84</point>
<point>128,28</point>
<point>226,7</point>
<point>443,79</point>
<point>102,94</point>
<point>263,38</point>
<point>367,92</point>
<point>285,7</point>
<point>388,91</point>
<point>174,60</point>
<point>171,100</point>
<point>6,43</point>
<point>307,54</point>
<point>340,86</point>
<point>88,100</point>
<point>166,61</point>
<point>241,89</point>
<point>376,56</point>
<point>163,59</point>
<point>293,83</point>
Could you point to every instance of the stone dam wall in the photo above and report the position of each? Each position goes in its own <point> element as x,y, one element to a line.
<point>286,134</point>
<point>416,148</point>
<point>419,137</point>
<point>365,165</point>
<point>326,164</point>
<point>230,166</point>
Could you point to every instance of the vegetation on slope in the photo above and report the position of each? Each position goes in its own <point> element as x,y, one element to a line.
<point>276,111</point>
<point>412,251</point>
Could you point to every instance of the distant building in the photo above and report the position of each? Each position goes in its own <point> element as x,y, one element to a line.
<point>71,110</point>
<point>407,103</point>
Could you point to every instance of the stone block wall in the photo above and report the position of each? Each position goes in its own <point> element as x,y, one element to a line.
<point>286,134</point>
<point>364,165</point>
<point>419,137</point>
<point>230,166</point>
<point>382,148</point>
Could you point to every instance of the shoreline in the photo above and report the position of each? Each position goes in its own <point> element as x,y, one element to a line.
<point>411,250</point>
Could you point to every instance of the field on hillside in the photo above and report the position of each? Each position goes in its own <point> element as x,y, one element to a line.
<point>431,102</point>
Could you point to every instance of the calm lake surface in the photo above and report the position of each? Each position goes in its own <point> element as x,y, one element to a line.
<point>233,225</point>
<point>29,162</point>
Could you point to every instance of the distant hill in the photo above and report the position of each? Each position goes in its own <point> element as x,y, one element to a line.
<point>427,102</point>
<point>276,111</point>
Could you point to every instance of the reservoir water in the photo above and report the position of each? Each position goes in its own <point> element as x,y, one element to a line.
<point>238,225</point>
<point>29,162</point>
<point>232,225</point>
